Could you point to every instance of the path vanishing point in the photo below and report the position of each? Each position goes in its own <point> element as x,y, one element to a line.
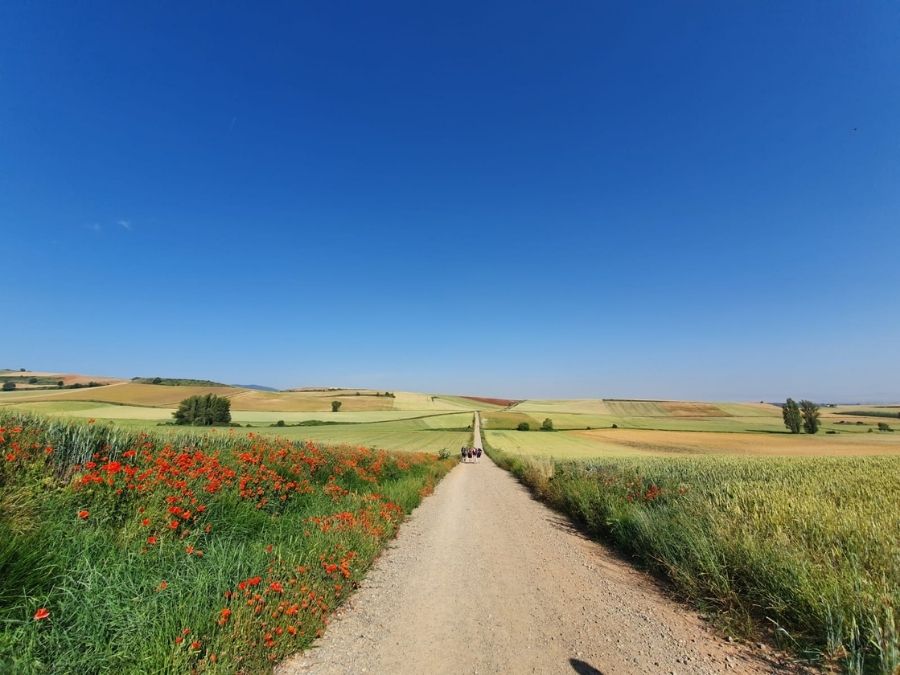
<point>484,579</point>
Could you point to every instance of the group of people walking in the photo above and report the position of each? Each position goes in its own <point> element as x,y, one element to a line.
<point>470,454</point>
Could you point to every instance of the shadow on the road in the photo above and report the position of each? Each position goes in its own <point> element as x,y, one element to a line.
<point>562,522</point>
<point>768,431</point>
<point>584,668</point>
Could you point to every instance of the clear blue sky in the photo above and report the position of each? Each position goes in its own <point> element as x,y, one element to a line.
<point>578,199</point>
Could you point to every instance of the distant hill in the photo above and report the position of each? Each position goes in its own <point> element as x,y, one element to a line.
<point>258,387</point>
<point>41,379</point>
<point>177,382</point>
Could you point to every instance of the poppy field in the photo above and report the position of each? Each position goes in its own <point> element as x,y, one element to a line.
<point>123,551</point>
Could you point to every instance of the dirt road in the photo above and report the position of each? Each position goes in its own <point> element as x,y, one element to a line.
<point>483,579</point>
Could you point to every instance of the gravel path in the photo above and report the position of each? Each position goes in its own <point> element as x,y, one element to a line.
<point>484,579</point>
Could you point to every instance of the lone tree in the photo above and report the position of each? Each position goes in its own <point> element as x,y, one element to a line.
<point>9,386</point>
<point>523,426</point>
<point>203,411</point>
<point>335,406</point>
<point>810,413</point>
<point>791,414</point>
<point>547,425</point>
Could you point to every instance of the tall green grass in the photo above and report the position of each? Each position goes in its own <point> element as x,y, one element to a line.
<point>809,547</point>
<point>119,603</point>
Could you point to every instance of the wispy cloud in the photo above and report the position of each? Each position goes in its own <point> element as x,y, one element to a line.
<point>125,224</point>
<point>95,227</point>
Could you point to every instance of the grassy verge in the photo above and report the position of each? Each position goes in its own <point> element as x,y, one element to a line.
<point>123,551</point>
<point>807,546</point>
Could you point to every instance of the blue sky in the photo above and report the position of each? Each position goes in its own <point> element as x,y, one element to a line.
<point>521,199</point>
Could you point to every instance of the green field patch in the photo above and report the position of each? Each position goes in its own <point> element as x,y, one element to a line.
<point>655,442</point>
<point>96,410</point>
<point>413,435</point>
<point>449,421</point>
<point>375,436</point>
<point>750,409</point>
<point>363,416</point>
<point>507,419</point>
<point>563,445</point>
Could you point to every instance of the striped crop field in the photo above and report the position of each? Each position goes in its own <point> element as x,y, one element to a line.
<point>126,394</point>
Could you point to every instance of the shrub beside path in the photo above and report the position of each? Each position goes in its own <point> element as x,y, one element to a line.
<point>484,579</point>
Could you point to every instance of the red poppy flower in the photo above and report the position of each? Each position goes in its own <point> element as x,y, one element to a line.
<point>41,614</point>
<point>83,514</point>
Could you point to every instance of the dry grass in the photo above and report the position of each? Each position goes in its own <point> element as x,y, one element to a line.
<point>152,395</point>
<point>165,396</point>
<point>298,401</point>
<point>689,409</point>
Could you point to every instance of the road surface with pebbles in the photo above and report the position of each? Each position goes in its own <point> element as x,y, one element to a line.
<point>484,579</point>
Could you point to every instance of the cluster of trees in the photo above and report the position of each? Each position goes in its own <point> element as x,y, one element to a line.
<point>546,425</point>
<point>805,415</point>
<point>203,411</point>
<point>10,384</point>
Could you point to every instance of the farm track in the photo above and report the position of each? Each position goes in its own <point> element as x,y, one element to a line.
<point>483,579</point>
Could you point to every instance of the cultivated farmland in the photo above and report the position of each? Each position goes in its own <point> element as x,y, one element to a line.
<point>406,421</point>
<point>749,521</point>
<point>758,526</point>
